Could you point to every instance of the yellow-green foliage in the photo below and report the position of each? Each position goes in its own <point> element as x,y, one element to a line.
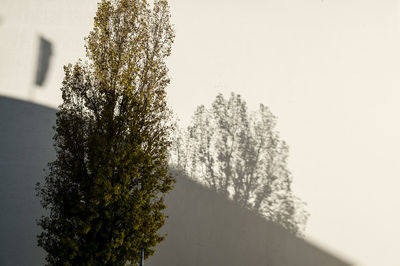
<point>104,191</point>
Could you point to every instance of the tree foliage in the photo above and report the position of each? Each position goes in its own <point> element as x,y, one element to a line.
<point>240,155</point>
<point>105,191</point>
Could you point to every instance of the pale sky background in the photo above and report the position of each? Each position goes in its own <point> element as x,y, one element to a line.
<point>329,70</point>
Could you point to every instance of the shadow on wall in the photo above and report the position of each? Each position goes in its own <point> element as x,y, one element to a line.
<point>43,61</point>
<point>25,148</point>
<point>203,228</point>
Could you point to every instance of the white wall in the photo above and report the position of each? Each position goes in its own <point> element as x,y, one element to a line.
<point>328,69</point>
<point>64,23</point>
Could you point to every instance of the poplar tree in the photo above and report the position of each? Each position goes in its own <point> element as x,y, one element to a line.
<point>104,193</point>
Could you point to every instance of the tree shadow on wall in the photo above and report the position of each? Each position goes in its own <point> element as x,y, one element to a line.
<point>239,154</point>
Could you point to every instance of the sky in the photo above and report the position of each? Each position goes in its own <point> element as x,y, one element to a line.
<point>329,70</point>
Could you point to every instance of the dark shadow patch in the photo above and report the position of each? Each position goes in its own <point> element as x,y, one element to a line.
<point>206,228</point>
<point>43,62</point>
<point>25,149</point>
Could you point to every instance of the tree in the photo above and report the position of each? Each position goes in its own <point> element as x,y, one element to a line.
<point>105,190</point>
<point>241,156</point>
